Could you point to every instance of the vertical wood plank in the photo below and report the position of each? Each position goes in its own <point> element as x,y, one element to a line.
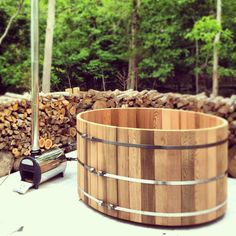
<point>166,165</point>
<point>123,163</point>
<point>188,121</point>
<point>135,172</point>
<point>102,165</point>
<point>110,154</point>
<point>157,119</point>
<point>173,168</point>
<point>166,119</point>
<point>147,172</point>
<point>212,172</point>
<point>188,170</point>
<point>82,155</point>
<point>160,174</point>
<point>201,170</point>
<point>221,167</point>
<point>92,161</point>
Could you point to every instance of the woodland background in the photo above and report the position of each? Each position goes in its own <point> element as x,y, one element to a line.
<point>102,44</point>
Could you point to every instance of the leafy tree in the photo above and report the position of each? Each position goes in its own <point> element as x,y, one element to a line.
<point>14,61</point>
<point>204,32</point>
<point>161,31</point>
<point>93,43</point>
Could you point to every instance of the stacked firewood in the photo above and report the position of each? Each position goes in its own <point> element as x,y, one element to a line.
<point>219,106</point>
<point>56,121</point>
<point>58,114</point>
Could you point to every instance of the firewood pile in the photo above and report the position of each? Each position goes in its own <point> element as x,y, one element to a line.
<point>219,106</point>
<point>56,121</point>
<point>58,114</point>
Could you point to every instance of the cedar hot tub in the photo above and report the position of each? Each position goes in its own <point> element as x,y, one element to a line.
<point>153,166</point>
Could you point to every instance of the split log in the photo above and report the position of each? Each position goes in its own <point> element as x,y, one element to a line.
<point>54,94</point>
<point>58,112</point>
<point>72,132</point>
<point>16,152</point>
<point>18,96</point>
<point>69,90</point>
<point>76,91</point>
<point>100,104</point>
<point>72,110</point>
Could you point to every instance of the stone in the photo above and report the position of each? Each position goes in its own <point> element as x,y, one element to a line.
<point>6,162</point>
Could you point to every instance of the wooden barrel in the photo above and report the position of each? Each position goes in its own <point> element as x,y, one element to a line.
<point>153,166</point>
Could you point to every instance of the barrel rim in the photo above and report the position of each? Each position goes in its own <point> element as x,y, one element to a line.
<point>223,124</point>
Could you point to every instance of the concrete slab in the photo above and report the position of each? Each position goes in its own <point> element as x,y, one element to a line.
<point>54,209</point>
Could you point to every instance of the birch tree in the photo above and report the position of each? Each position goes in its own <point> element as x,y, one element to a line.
<point>46,80</point>
<point>215,73</point>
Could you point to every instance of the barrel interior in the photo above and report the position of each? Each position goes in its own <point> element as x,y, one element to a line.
<point>174,163</point>
<point>152,119</point>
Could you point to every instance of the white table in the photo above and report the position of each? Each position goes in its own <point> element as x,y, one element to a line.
<point>54,209</point>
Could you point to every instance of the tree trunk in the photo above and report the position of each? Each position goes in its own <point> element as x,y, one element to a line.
<point>133,62</point>
<point>197,67</point>
<point>11,21</point>
<point>215,77</point>
<point>103,82</point>
<point>46,80</point>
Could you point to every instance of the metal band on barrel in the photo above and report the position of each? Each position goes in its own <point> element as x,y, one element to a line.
<point>151,147</point>
<point>151,213</point>
<point>149,181</point>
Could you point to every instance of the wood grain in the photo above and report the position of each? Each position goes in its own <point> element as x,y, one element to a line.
<point>154,127</point>
<point>123,164</point>
<point>82,155</point>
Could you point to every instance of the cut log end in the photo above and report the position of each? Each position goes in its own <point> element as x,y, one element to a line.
<point>72,132</point>
<point>16,152</point>
<point>48,144</point>
<point>41,142</point>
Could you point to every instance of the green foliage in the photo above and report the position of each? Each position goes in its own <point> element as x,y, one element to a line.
<point>205,30</point>
<point>92,41</point>
<point>89,45</point>
<point>14,55</point>
<point>158,32</point>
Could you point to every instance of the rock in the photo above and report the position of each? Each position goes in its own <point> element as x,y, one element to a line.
<point>6,162</point>
<point>232,162</point>
<point>232,125</point>
<point>17,163</point>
